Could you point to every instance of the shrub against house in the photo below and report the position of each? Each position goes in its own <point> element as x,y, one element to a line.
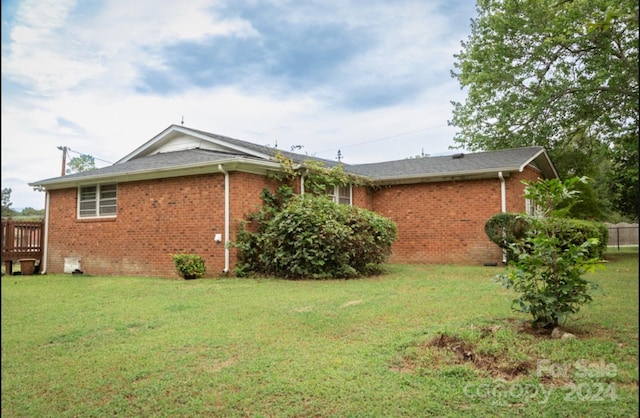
<point>313,237</point>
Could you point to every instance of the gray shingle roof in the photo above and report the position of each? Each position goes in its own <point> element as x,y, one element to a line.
<point>165,161</point>
<point>271,151</point>
<point>479,162</point>
<point>139,165</point>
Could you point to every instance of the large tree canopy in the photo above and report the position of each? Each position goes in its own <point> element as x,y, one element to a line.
<point>81,163</point>
<point>561,74</point>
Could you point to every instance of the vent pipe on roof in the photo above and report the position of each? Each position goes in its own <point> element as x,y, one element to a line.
<point>457,156</point>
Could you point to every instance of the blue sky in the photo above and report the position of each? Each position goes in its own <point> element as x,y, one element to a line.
<point>369,78</point>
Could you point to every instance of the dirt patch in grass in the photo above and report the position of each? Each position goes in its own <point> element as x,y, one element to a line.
<point>499,354</point>
<point>497,365</point>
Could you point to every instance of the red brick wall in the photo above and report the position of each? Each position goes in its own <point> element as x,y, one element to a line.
<point>155,219</point>
<point>515,188</point>
<point>362,197</point>
<point>443,222</point>
<point>437,222</point>
<point>244,199</point>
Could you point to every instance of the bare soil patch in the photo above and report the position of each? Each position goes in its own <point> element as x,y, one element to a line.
<point>445,350</point>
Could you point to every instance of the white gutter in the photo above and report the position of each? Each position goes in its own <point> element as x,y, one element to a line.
<point>226,218</point>
<point>45,250</point>
<point>444,176</point>
<point>503,199</point>
<point>503,191</point>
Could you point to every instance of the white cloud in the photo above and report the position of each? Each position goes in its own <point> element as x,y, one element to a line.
<point>44,15</point>
<point>70,73</point>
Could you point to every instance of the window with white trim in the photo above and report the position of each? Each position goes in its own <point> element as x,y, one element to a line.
<point>341,195</point>
<point>97,201</point>
<point>531,208</point>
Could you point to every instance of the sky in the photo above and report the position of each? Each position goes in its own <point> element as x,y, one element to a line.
<point>371,79</point>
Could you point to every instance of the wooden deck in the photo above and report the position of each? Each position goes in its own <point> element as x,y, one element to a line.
<point>21,240</point>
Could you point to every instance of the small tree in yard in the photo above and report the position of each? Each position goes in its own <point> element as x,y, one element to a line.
<point>548,268</point>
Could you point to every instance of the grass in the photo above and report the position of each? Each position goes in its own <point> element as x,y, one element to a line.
<point>422,340</point>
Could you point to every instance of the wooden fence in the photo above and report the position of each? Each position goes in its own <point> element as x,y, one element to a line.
<point>21,240</point>
<point>623,234</point>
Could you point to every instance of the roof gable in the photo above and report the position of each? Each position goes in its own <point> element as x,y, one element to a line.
<point>179,138</point>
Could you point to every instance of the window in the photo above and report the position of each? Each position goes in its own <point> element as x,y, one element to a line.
<point>97,201</point>
<point>341,195</point>
<point>531,208</point>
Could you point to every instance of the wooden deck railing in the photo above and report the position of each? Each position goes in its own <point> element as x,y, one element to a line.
<point>21,239</point>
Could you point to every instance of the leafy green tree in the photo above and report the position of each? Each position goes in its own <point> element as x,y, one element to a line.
<point>587,207</point>
<point>6,203</point>
<point>81,163</point>
<point>551,260</point>
<point>31,212</point>
<point>624,177</point>
<point>563,75</point>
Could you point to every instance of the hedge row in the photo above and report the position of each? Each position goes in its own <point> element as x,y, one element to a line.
<point>505,229</point>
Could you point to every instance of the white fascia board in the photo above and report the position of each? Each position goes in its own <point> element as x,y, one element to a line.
<point>547,162</point>
<point>146,145</point>
<point>186,131</point>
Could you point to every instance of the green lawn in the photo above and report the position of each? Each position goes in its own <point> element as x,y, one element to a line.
<point>419,341</point>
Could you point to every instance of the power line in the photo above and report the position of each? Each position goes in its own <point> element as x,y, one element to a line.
<point>83,154</point>
<point>385,138</point>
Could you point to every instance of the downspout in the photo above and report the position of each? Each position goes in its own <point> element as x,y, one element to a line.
<point>226,218</point>
<point>503,202</point>
<point>503,192</point>
<point>302,185</point>
<point>45,249</point>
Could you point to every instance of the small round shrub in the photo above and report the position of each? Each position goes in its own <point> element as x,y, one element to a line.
<point>189,266</point>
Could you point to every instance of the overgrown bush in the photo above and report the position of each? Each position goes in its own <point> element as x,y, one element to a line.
<point>313,237</point>
<point>189,266</point>
<point>504,229</point>
<point>575,232</point>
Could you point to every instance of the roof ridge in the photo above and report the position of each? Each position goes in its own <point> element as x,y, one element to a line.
<point>272,151</point>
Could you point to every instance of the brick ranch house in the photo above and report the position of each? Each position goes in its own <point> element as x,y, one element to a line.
<point>186,191</point>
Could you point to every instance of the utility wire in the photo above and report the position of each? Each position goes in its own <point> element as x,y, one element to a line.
<point>383,138</point>
<point>83,154</point>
